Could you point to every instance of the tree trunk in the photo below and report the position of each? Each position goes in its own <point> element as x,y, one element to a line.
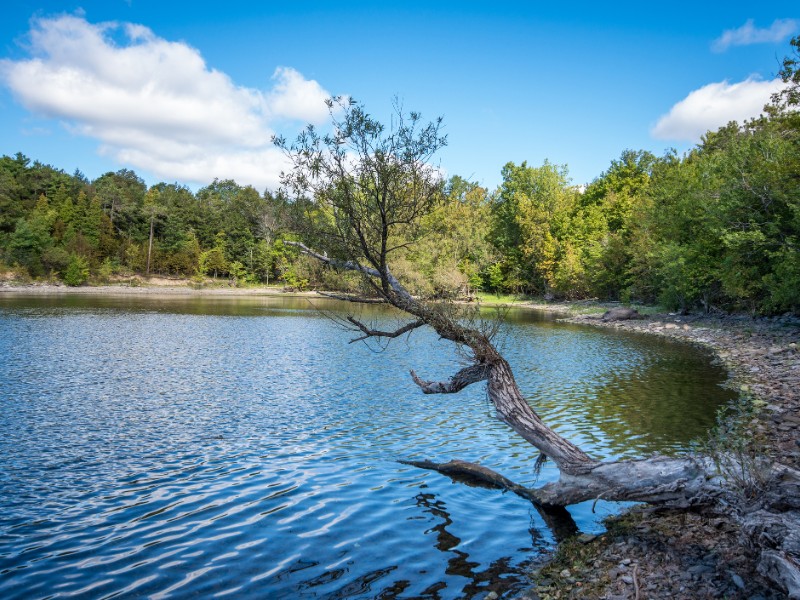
<point>691,481</point>
<point>150,245</point>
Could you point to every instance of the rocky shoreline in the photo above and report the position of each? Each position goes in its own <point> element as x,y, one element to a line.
<point>656,553</point>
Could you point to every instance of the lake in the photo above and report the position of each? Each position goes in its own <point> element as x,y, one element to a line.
<point>200,446</point>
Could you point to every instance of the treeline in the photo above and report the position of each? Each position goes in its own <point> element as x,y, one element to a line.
<point>57,225</point>
<point>717,228</point>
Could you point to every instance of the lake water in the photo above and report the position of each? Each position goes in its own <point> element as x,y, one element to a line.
<point>174,447</point>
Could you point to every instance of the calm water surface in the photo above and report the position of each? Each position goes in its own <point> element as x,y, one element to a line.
<point>181,447</point>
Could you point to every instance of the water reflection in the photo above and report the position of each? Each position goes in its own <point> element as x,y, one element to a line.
<point>636,394</point>
<point>479,581</point>
<point>220,446</point>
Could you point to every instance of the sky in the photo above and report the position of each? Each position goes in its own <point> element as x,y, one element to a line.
<point>189,92</point>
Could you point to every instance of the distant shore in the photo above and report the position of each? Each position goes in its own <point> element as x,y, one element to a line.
<point>162,286</point>
<point>148,289</point>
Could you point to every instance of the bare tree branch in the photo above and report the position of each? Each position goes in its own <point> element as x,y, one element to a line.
<point>557,518</point>
<point>351,298</point>
<point>346,265</point>
<point>465,377</point>
<point>368,333</point>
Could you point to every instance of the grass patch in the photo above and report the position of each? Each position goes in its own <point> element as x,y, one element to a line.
<point>571,308</point>
<point>490,298</point>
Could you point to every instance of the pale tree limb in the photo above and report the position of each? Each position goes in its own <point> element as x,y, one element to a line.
<point>346,265</point>
<point>465,377</point>
<point>351,298</point>
<point>677,481</point>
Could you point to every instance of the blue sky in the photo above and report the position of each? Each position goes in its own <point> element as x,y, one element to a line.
<point>188,92</point>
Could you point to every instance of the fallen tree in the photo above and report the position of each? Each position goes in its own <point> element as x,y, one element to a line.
<point>370,187</point>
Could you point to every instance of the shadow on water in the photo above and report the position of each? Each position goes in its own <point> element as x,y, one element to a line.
<point>215,446</point>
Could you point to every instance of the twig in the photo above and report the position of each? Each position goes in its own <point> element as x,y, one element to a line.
<point>368,333</point>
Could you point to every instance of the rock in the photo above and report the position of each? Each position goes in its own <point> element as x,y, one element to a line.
<point>529,594</point>
<point>585,538</point>
<point>700,569</point>
<point>621,314</point>
<point>670,326</point>
<point>737,581</point>
<point>565,573</point>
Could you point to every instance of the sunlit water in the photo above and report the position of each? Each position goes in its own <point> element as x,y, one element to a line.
<point>201,447</point>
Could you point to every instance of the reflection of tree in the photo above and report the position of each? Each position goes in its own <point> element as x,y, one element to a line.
<point>661,405</point>
<point>499,576</point>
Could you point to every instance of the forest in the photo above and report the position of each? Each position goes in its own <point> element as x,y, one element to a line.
<point>714,229</point>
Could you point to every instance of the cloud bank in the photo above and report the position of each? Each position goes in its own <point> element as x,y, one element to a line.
<point>713,106</point>
<point>749,34</point>
<point>155,104</point>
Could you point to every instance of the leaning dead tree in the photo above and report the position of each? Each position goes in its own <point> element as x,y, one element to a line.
<point>370,185</point>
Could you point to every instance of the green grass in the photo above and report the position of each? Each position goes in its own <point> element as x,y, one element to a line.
<point>571,307</point>
<point>490,298</point>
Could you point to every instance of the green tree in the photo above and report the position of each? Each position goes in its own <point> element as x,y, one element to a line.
<point>121,196</point>
<point>451,248</point>
<point>28,242</point>
<point>213,260</point>
<point>532,213</point>
<point>604,223</point>
<point>77,272</point>
<point>371,186</point>
<point>789,97</point>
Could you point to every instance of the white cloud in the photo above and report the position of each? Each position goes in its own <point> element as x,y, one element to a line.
<point>294,97</point>
<point>749,34</point>
<point>713,106</point>
<point>155,104</point>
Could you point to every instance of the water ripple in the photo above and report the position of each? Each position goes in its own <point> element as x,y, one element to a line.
<point>170,448</point>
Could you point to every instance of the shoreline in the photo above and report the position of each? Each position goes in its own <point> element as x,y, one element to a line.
<point>649,552</point>
<point>144,290</point>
